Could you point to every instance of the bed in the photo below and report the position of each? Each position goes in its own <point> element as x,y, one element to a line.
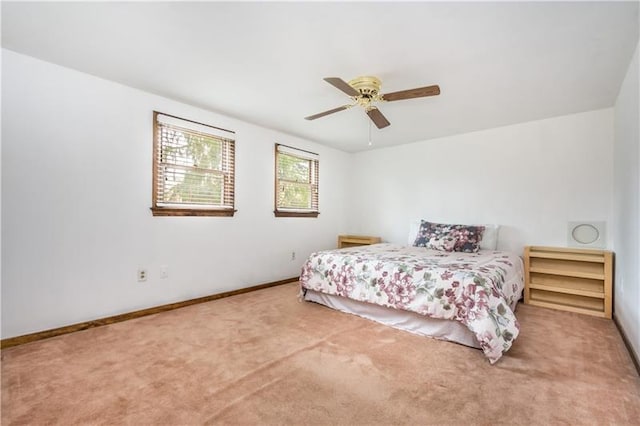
<point>468,298</point>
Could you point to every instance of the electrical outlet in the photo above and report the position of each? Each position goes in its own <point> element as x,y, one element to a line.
<point>164,271</point>
<point>142,274</point>
<point>293,255</point>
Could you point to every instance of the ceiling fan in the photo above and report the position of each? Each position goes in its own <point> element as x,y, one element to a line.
<point>365,91</point>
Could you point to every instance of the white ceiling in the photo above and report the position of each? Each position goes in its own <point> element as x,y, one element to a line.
<point>496,63</point>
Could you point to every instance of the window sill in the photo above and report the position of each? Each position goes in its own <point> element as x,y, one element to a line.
<point>171,211</point>
<point>279,213</point>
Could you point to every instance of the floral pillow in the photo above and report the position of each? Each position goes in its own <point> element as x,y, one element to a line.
<point>445,237</point>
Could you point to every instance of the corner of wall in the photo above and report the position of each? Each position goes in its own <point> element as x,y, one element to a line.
<point>626,205</point>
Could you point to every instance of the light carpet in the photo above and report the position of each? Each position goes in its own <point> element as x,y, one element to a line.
<point>266,358</point>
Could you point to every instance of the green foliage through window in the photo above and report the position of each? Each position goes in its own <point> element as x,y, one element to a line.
<point>297,181</point>
<point>193,169</point>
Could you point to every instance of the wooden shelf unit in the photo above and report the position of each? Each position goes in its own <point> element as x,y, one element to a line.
<point>569,279</point>
<point>345,241</point>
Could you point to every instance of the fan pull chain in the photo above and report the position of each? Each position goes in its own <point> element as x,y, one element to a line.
<point>370,133</point>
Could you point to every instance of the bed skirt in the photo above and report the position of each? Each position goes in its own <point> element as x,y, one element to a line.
<point>448,330</point>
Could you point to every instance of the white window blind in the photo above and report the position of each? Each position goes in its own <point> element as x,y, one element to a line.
<point>193,167</point>
<point>297,175</point>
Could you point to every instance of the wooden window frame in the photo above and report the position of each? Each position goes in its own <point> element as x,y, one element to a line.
<point>175,210</point>
<point>280,212</point>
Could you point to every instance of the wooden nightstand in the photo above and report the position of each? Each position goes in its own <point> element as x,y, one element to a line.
<point>356,240</point>
<point>575,280</point>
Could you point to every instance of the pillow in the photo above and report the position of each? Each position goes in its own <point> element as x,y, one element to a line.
<point>489,239</point>
<point>447,237</point>
<point>414,227</point>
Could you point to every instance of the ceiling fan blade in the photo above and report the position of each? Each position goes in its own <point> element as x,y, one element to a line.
<point>419,92</point>
<point>339,83</point>
<point>378,119</point>
<point>331,111</point>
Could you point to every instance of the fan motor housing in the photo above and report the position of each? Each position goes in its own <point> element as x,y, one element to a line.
<point>369,88</point>
<point>366,85</point>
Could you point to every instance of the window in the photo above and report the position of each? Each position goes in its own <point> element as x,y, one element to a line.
<point>193,168</point>
<point>296,182</point>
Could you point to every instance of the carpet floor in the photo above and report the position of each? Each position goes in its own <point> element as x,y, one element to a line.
<point>266,358</point>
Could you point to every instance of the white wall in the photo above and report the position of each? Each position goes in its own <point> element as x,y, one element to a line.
<point>76,192</point>
<point>627,214</point>
<point>530,178</point>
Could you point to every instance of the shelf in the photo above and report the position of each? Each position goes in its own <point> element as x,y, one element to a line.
<point>347,244</point>
<point>569,256</point>
<point>565,250</point>
<point>567,308</point>
<point>345,241</point>
<point>569,279</point>
<point>568,273</point>
<point>564,282</point>
<point>566,299</point>
<point>586,293</point>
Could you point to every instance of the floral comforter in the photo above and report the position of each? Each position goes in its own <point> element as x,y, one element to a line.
<point>480,290</point>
